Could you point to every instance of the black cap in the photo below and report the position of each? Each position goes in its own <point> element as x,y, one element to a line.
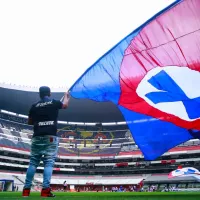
<point>44,91</point>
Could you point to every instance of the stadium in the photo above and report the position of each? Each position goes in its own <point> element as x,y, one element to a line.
<point>111,123</point>
<point>94,156</point>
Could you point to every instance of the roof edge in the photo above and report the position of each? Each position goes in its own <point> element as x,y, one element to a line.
<point>30,88</point>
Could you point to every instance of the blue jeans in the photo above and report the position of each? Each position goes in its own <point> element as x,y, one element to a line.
<point>42,148</point>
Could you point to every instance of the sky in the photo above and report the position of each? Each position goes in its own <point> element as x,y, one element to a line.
<point>45,42</point>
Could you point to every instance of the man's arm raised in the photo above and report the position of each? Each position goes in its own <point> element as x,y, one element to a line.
<point>65,100</point>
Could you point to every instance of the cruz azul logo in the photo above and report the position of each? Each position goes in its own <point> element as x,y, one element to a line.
<point>173,91</point>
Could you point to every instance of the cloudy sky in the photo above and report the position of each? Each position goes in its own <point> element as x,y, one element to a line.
<point>46,42</point>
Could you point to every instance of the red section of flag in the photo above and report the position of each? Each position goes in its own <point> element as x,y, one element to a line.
<point>172,39</point>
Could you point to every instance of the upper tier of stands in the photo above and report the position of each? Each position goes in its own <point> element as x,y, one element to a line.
<point>76,141</point>
<point>73,141</point>
<point>20,124</point>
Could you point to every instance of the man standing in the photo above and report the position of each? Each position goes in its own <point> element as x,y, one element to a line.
<point>43,116</point>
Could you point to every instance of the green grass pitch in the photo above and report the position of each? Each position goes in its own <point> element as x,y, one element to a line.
<point>108,195</point>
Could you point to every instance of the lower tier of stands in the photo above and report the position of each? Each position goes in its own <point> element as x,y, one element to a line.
<point>87,151</point>
<point>147,182</point>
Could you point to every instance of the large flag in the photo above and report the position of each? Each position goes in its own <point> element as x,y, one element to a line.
<point>152,75</point>
<point>185,172</point>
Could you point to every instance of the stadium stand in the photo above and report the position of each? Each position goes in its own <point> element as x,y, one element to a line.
<point>96,152</point>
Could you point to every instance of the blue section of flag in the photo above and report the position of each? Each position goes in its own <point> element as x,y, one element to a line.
<point>195,133</point>
<point>154,137</point>
<point>190,171</point>
<point>101,81</point>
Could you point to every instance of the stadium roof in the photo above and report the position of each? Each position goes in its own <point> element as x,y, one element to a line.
<point>19,100</point>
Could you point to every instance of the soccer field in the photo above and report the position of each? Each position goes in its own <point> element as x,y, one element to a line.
<point>109,196</point>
